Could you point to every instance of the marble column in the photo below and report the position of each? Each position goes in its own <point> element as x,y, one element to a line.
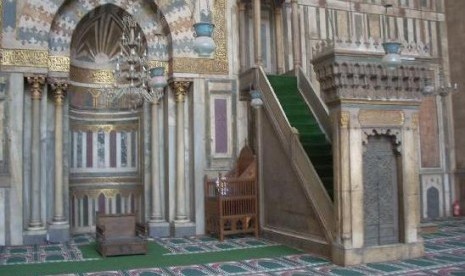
<point>279,39</point>
<point>180,90</point>
<point>296,34</point>
<point>59,229</point>
<point>256,32</point>
<point>182,225</point>
<point>35,220</point>
<point>243,41</point>
<point>158,227</point>
<point>59,94</point>
<point>256,103</point>
<point>156,215</point>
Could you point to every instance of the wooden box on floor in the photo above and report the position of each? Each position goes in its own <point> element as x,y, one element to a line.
<point>231,201</point>
<point>119,235</point>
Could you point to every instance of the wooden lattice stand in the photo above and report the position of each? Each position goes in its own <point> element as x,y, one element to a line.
<point>231,201</point>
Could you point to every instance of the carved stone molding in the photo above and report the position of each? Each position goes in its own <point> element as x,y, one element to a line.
<point>36,83</point>
<point>355,78</point>
<point>180,89</point>
<point>394,132</point>
<point>360,80</point>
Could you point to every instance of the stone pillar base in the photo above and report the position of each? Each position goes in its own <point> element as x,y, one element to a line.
<point>35,237</point>
<point>391,252</point>
<point>182,229</point>
<point>159,229</point>
<point>58,232</point>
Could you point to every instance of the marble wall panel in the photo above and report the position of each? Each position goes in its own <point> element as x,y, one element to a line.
<point>2,217</point>
<point>432,190</point>
<point>429,134</point>
<point>287,208</point>
<point>455,29</point>
<point>221,108</point>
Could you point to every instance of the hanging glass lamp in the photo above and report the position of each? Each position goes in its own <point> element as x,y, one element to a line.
<point>204,45</point>
<point>392,58</point>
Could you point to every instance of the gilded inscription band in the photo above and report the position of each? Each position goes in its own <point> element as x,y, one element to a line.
<point>381,117</point>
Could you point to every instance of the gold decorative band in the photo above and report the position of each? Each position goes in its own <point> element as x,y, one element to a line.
<point>58,63</point>
<point>85,75</point>
<point>113,180</point>
<point>26,58</point>
<point>41,59</point>
<point>381,117</point>
<point>157,63</point>
<point>106,128</point>
<point>202,66</point>
<point>94,193</point>
<point>34,58</point>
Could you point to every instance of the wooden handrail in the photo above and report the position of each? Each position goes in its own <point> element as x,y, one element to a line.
<point>315,103</point>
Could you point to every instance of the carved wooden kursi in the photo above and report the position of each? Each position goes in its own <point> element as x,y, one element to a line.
<point>119,235</point>
<point>231,201</point>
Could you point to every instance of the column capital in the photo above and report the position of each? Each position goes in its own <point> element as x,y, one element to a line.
<point>59,87</point>
<point>36,82</point>
<point>180,87</point>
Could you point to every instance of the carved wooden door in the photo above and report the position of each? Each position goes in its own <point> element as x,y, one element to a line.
<point>380,199</point>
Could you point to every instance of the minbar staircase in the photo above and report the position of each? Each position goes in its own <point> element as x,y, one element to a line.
<point>299,115</point>
<point>294,158</point>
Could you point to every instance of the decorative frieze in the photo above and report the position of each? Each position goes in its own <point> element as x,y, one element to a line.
<point>353,70</point>
<point>24,58</point>
<point>370,46</point>
<point>360,79</point>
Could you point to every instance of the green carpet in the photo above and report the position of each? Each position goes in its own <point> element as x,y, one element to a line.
<point>156,257</point>
<point>313,139</point>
